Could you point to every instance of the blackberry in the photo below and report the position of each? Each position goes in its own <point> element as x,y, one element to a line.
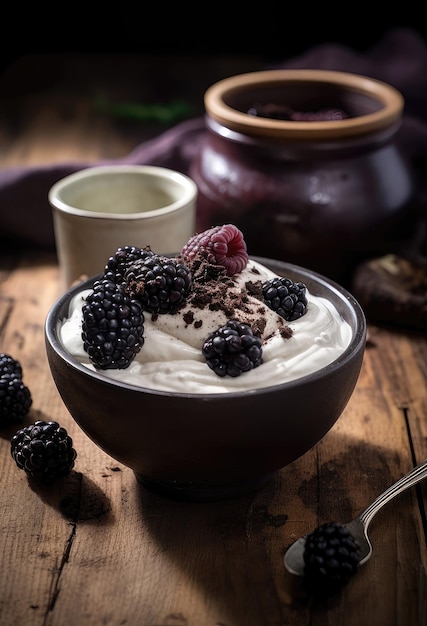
<point>232,349</point>
<point>15,399</point>
<point>220,245</point>
<point>44,451</point>
<point>286,298</point>
<point>113,326</point>
<point>9,365</point>
<point>331,557</point>
<point>122,259</point>
<point>160,283</point>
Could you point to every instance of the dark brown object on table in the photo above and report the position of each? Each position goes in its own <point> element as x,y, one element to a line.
<point>393,290</point>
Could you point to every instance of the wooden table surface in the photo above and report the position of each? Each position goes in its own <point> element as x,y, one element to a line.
<point>97,549</point>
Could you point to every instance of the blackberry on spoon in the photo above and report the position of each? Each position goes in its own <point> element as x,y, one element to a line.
<point>331,558</point>
<point>297,554</point>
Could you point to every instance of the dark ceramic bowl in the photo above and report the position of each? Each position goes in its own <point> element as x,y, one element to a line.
<point>207,447</point>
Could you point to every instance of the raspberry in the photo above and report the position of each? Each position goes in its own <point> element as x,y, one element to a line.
<point>9,365</point>
<point>232,349</point>
<point>220,245</point>
<point>44,451</point>
<point>160,283</point>
<point>113,326</point>
<point>123,258</point>
<point>331,557</point>
<point>287,298</point>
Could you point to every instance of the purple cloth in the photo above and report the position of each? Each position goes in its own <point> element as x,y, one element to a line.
<point>25,213</point>
<point>399,58</point>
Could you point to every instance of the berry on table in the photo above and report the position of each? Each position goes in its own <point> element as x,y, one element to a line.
<point>15,396</point>
<point>286,298</point>
<point>220,245</point>
<point>44,450</point>
<point>331,557</point>
<point>232,349</point>
<point>9,365</point>
<point>112,327</point>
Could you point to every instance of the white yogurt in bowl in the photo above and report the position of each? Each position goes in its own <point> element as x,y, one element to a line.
<point>171,358</point>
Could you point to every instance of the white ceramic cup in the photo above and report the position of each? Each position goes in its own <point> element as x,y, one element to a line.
<point>102,208</point>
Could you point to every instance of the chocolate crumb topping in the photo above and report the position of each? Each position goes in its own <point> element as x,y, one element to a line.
<point>255,289</point>
<point>203,271</point>
<point>212,288</point>
<point>188,317</point>
<point>286,332</point>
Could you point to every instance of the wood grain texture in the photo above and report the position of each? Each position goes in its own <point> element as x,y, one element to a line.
<point>97,549</point>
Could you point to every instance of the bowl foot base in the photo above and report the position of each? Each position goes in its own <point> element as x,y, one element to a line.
<point>201,492</point>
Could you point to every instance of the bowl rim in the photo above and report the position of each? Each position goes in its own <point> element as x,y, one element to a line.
<point>356,345</point>
<point>391,100</point>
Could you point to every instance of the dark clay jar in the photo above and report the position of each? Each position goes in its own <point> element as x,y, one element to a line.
<point>324,194</point>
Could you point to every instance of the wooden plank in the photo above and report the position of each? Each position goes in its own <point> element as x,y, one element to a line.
<point>34,534</point>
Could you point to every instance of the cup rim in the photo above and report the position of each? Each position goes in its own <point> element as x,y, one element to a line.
<point>391,100</point>
<point>187,184</point>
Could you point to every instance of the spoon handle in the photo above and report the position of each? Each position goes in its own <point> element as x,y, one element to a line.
<point>411,478</point>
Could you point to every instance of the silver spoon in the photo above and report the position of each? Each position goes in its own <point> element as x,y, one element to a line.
<point>294,556</point>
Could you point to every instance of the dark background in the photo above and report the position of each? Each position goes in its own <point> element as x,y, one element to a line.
<point>268,30</point>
